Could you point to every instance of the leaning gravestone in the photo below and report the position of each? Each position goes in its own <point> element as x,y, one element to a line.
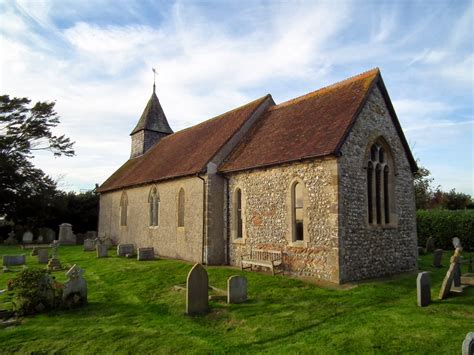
<point>13,260</point>
<point>89,245</point>
<point>448,279</point>
<point>124,249</point>
<point>197,291</point>
<point>102,251</point>
<point>43,256</point>
<point>430,247</point>
<point>27,237</point>
<point>423,289</point>
<point>145,254</point>
<point>437,257</point>
<point>468,344</point>
<point>236,289</point>
<point>66,236</point>
<point>75,290</point>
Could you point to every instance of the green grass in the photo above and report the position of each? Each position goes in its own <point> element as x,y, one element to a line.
<point>134,309</point>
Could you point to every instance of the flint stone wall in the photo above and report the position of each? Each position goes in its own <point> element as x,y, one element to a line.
<point>368,251</point>
<point>266,216</point>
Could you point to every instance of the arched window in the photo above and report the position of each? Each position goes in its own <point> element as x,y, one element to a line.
<point>154,207</point>
<point>238,214</point>
<point>298,211</point>
<point>181,202</point>
<point>379,185</point>
<point>123,209</point>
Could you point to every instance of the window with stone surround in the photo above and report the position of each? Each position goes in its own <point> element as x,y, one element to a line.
<point>298,204</point>
<point>181,203</point>
<point>154,207</point>
<point>237,220</point>
<point>123,209</point>
<point>380,185</point>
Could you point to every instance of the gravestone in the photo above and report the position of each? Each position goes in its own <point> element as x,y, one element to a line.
<point>75,289</point>
<point>468,344</point>
<point>423,289</point>
<point>91,235</point>
<point>457,275</point>
<point>27,237</point>
<point>102,251</point>
<point>197,291</point>
<point>11,240</point>
<point>457,243</point>
<point>35,250</point>
<point>43,256</point>
<point>236,289</point>
<point>66,236</point>
<point>145,254</point>
<point>13,260</point>
<point>54,263</point>
<point>124,249</point>
<point>89,245</point>
<point>448,279</point>
<point>40,239</point>
<point>430,247</point>
<point>49,235</point>
<point>437,257</point>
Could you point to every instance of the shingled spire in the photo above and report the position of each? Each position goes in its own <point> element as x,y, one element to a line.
<point>151,127</point>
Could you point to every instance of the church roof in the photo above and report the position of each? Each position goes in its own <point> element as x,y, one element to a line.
<point>153,117</point>
<point>185,152</point>
<point>312,125</point>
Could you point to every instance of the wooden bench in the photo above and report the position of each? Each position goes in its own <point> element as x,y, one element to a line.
<point>265,258</point>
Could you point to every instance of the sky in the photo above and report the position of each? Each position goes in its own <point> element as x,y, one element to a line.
<point>94,59</point>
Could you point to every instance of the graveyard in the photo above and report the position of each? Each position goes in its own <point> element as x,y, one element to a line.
<point>140,306</point>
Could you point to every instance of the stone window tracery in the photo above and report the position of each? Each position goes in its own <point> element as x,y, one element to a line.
<point>123,209</point>
<point>181,204</point>
<point>154,207</point>
<point>379,185</point>
<point>238,214</point>
<point>297,211</point>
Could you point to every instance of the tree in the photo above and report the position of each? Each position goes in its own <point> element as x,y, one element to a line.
<point>24,130</point>
<point>424,191</point>
<point>456,200</point>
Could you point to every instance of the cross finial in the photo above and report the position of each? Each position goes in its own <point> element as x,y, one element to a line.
<point>154,78</point>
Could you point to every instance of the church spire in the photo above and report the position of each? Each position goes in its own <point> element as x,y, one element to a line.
<point>151,127</point>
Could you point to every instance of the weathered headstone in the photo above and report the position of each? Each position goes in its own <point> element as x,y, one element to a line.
<point>437,258</point>
<point>448,279</point>
<point>423,289</point>
<point>89,245</point>
<point>66,236</point>
<point>27,237</point>
<point>457,275</point>
<point>13,260</point>
<point>145,254</point>
<point>75,289</point>
<point>11,240</point>
<point>236,289</point>
<point>54,263</point>
<point>102,251</point>
<point>35,250</point>
<point>468,344</point>
<point>430,246</point>
<point>457,243</point>
<point>124,249</point>
<point>40,239</point>
<point>197,291</point>
<point>43,256</point>
<point>49,235</point>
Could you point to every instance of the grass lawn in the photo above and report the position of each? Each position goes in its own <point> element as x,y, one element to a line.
<point>133,308</point>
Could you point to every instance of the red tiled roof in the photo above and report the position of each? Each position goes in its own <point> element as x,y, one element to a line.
<point>185,152</point>
<point>312,125</point>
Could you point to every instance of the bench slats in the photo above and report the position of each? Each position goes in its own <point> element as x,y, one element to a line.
<point>264,258</point>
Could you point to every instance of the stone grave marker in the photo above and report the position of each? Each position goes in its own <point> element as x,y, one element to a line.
<point>236,289</point>
<point>75,289</point>
<point>146,254</point>
<point>40,239</point>
<point>91,235</point>
<point>27,237</point>
<point>197,291</point>
<point>448,279</point>
<point>43,256</point>
<point>66,236</point>
<point>35,250</point>
<point>89,245</point>
<point>423,289</point>
<point>430,246</point>
<point>468,344</point>
<point>54,264</point>
<point>102,251</point>
<point>437,257</point>
<point>457,275</point>
<point>13,260</point>
<point>11,240</point>
<point>457,243</point>
<point>49,235</point>
<point>124,249</point>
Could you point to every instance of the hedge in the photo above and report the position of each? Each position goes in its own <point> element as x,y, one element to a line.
<point>444,225</point>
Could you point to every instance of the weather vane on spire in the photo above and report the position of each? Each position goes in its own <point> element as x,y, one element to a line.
<point>154,77</point>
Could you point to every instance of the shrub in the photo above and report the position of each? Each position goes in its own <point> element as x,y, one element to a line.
<point>444,225</point>
<point>35,291</point>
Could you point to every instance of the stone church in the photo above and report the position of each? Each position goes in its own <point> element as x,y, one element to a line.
<point>326,178</point>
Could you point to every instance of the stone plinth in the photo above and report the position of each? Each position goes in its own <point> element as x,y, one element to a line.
<point>66,236</point>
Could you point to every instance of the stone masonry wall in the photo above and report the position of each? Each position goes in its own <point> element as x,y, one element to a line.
<point>168,239</point>
<point>267,216</point>
<point>368,251</point>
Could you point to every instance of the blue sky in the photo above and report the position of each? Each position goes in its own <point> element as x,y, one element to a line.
<point>94,58</point>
